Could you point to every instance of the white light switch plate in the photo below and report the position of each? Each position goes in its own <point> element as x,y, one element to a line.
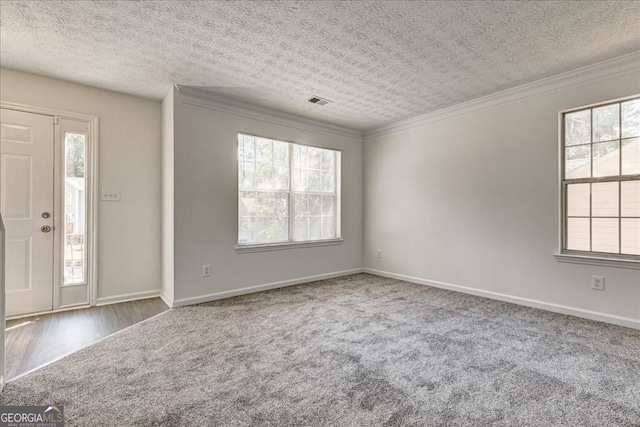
<point>110,196</point>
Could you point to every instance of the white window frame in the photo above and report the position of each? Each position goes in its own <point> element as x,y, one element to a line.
<point>290,244</point>
<point>77,128</point>
<point>588,257</point>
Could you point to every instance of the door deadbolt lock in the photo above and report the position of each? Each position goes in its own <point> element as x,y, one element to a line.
<point>45,229</point>
<point>46,214</point>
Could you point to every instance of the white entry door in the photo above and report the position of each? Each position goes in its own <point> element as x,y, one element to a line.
<point>26,204</point>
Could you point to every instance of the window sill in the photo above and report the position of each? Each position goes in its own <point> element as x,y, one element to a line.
<point>594,260</point>
<point>244,249</point>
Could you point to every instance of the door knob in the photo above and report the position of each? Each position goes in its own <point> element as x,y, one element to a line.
<point>46,214</point>
<point>45,229</point>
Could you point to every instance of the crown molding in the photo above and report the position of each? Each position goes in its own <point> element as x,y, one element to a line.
<point>203,98</point>
<point>47,111</point>
<point>602,70</point>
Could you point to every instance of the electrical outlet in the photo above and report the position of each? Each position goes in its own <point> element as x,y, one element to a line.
<point>379,253</point>
<point>597,283</point>
<point>206,270</point>
<point>110,196</point>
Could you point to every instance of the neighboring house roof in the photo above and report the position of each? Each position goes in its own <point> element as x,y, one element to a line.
<point>630,153</point>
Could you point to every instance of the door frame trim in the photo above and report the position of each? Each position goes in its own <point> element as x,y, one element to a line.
<point>93,203</point>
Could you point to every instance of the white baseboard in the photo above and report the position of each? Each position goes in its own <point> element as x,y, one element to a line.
<point>128,297</point>
<point>556,308</point>
<point>167,300</point>
<point>251,289</point>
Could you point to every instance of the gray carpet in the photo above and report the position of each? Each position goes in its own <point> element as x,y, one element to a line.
<point>355,351</point>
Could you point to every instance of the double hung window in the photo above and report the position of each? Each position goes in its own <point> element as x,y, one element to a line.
<point>287,193</point>
<point>601,180</point>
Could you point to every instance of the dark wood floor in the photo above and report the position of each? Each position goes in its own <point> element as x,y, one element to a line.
<point>34,341</point>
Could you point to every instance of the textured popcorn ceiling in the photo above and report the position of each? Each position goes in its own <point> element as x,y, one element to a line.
<point>378,61</point>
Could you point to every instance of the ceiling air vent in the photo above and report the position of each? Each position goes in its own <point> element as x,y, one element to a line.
<point>318,101</point>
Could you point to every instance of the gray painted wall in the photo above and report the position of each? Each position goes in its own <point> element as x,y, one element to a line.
<point>206,207</point>
<point>470,201</point>
<point>129,259</point>
<point>473,201</point>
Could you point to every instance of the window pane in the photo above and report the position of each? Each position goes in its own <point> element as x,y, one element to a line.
<point>630,198</point>
<point>328,217</point>
<point>328,227</point>
<point>270,191</point>
<point>602,142</point>
<point>606,123</point>
<point>604,199</point>
<point>75,209</point>
<point>578,162</point>
<point>299,179</point>
<point>246,175</point>
<point>329,172</point>
<point>631,156</point>
<point>328,205</point>
<point>280,179</point>
<point>264,150</point>
<point>328,161</point>
<point>606,159</point>
<point>605,235</point>
<point>314,158</point>
<point>301,229</point>
<point>577,128</point>
<point>315,205</point>
<point>301,221</point>
<point>244,229</point>
<point>308,217</point>
<point>314,170</point>
<point>578,199</point>
<point>313,183</point>
<point>263,164</point>
<point>262,177</point>
<point>280,228</point>
<point>631,118</point>
<point>578,234</point>
<point>300,172</point>
<point>303,207</point>
<point>315,228</point>
<point>328,182</point>
<point>631,236</point>
<point>263,217</point>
